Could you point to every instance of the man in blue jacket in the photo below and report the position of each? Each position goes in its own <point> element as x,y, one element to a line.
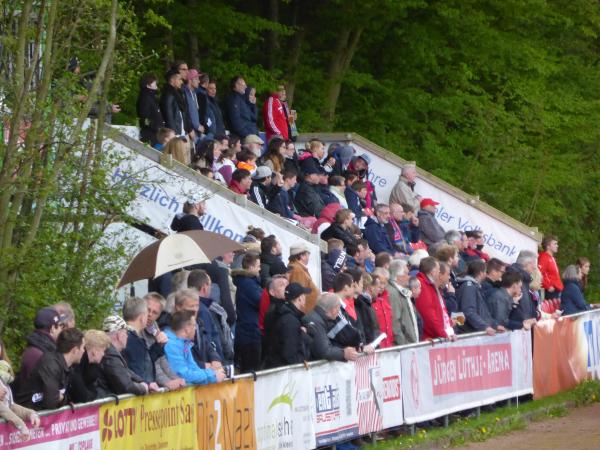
<point>281,203</point>
<point>248,338</point>
<point>375,232</point>
<point>139,357</point>
<point>240,116</point>
<point>179,351</point>
<point>472,304</point>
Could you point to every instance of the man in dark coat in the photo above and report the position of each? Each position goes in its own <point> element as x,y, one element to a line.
<point>239,114</point>
<point>318,323</point>
<point>215,109</point>
<point>431,230</point>
<point>148,111</point>
<point>47,383</point>
<point>525,265</point>
<point>375,232</point>
<point>308,202</point>
<point>472,303</point>
<point>261,190</point>
<point>115,377</point>
<point>287,342</point>
<point>41,340</point>
<point>248,338</point>
<point>340,228</point>
<point>173,106</point>
<point>140,358</point>
<point>271,263</point>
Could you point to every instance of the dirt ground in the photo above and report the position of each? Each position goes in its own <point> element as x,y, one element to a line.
<point>579,430</point>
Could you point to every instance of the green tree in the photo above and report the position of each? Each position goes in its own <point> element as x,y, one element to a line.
<point>56,198</point>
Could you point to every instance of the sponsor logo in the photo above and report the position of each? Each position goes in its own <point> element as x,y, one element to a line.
<point>391,388</point>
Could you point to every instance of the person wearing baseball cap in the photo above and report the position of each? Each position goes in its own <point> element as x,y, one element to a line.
<point>41,340</point>
<point>254,143</point>
<point>431,230</point>
<point>262,190</point>
<point>286,341</point>
<point>299,256</point>
<point>191,99</point>
<point>115,378</point>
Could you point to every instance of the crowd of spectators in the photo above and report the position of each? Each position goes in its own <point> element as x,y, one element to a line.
<point>390,276</point>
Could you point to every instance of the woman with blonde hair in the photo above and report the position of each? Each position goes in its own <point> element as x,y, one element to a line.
<point>179,150</point>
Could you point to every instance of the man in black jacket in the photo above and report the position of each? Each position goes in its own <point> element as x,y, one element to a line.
<point>340,228</point>
<point>173,107</point>
<point>115,377</point>
<point>271,263</point>
<point>308,202</point>
<point>148,111</point>
<point>213,106</point>
<point>46,386</point>
<point>285,337</point>
<point>262,190</point>
<point>318,323</point>
<point>525,266</point>
<point>471,301</point>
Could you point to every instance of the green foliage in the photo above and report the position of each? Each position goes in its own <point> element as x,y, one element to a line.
<point>56,196</point>
<point>500,98</point>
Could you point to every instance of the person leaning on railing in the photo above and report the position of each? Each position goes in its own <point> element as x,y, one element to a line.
<point>9,410</point>
<point>318,322</point>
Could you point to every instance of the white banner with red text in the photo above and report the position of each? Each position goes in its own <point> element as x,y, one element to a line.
<point>449,377</point>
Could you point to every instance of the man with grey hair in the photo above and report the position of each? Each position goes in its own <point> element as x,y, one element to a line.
<point>321,321</point>
<point>459,240</point>
<point>404,189</point>
<point>165,376</point>
<point>525,266</point>
<point>139,357</point>
<point>404,318</point>
<point>375,232</point>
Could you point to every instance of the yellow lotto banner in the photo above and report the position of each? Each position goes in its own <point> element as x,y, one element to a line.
<point>226,415</point>
<point>151,422</point>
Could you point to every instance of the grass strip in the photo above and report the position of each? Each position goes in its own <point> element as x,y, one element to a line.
<point>501,420</point>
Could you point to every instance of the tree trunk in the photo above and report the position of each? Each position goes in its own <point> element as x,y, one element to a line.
<point>272,36</point>
<point>340,63</point>
<point>194,49</point>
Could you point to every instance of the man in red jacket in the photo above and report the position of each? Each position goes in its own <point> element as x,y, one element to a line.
<point>275,115</point>
<point>551,281</point>
<point>430,304</point>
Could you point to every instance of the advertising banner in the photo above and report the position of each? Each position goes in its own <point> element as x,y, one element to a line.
<point>501,240</point>
<point>336,418</point>
<point>393,414</point>
<point>226,415</point>
<point>163,192</point>
<point>284,410</point>
<point>151,422</point>
<point>369,394</point>
<point>567,351</point>
<point>66,430</point>
<point>471,372</point>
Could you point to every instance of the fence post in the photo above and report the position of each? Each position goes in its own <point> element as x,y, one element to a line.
<point>478,411</point>
<point>412,429</point>
<point>446,420</point>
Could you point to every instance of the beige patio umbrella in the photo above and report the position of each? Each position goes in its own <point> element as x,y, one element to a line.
<point>177,251</point>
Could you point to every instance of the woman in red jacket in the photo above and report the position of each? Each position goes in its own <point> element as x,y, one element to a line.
<point>430,304</point>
